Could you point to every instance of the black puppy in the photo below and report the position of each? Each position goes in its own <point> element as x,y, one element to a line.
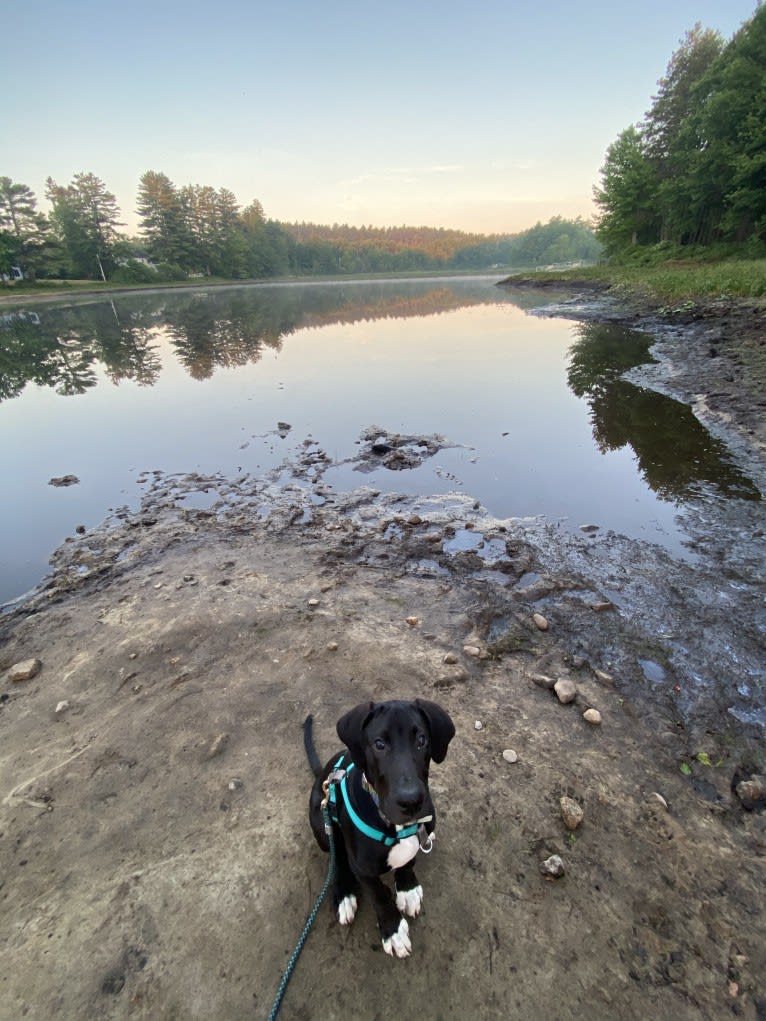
<point>380,806</point>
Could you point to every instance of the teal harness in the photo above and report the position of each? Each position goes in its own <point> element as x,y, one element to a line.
<point>339,778</point>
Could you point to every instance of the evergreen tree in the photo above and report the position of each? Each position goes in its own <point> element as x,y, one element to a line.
<point>85,218</point>
<point>26,231</point>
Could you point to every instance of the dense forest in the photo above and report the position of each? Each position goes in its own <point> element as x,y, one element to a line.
<point>693,172</point>
<point>196,230</point>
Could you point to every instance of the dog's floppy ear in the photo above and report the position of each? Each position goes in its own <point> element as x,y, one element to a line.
<point>441,726</point>
<point>350,730</point>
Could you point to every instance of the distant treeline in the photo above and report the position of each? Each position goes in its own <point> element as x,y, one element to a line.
<point>693,172</point>
<point>196,230</point>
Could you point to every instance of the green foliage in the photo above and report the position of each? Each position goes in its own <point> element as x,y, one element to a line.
<point>694,172</point>
<point>134,272</point>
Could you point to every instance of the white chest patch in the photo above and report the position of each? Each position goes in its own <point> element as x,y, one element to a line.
<point>403,851</point>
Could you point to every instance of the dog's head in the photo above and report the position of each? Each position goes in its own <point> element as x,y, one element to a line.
<point>393,743</point>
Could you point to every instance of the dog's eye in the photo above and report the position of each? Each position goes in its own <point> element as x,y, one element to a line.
<point>380,744</point>
<point>421,741</point>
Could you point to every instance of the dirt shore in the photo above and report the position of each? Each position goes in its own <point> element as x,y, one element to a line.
<point>155,855</point>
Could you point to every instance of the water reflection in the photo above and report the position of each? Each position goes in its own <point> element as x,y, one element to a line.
<point>60,347</point>
<point>676,455</point>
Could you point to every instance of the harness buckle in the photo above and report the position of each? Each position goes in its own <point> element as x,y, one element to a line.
<point>334,776</point>
<point>430,837</point>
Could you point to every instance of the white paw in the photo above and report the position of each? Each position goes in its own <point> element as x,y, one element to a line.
<point>399,944</point>
<point>409,902</point>
<point>347,910</point>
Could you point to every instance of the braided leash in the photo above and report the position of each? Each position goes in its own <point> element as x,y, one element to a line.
<point>309,921</point>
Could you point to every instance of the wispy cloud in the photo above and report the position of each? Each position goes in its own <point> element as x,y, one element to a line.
<point>401,175</point>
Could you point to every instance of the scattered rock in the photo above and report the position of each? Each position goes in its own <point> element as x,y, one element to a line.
<point>472,650</point>
<point>510,755</point>
<point>588,528</point>
<point>450,658</point>
<point>601,606</point>
<point>63,480</point>
<point>592,716</point>
<point>603,677</point>
<point>540,622</point>
<point>283,428</point>
<point>543,681</point>
<point>413,621</point>
<point>414,519</point>
<point>571,812</point>
<point>313,602</point>
<point>751,791</point>
<point>332,646</point>
<point>25,670</point>
<point>552,867</point>
<point>218,745</point>
<point>478,725</point>
<point>61,707</point>
<point>656,796</point>
<point>235,784</point>
<point>566,690</point>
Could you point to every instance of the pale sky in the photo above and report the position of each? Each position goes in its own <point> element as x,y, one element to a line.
<point>481,116</point>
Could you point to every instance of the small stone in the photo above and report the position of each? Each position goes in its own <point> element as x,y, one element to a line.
<point>63,480</point>
<point>235,784</point>
<point>543,681</point>
<point>332,646</point>
<point>656,796</point>
<point>25,670</point>
<point>414,519</point>
<point>592,716</point>
<point>313,602</point>
<point>553,867</point>
<point>472,650</point>
<point>478,725</point>
<point>413,621</point>
<point>588,528</point>
<point>450,658</point>
<point>751,791</point>
<point>434,537</point>
<point>566,691</point>
<point>80,529</point>
<point>62,706</point>
<point>510,755</point>
<point>603,677</point>
<point>601,606</point>
<point>571,812</point>
<point>218,744</point>
<point>540,622</point>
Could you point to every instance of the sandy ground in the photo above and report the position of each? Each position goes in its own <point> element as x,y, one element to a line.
<point>155,854</point>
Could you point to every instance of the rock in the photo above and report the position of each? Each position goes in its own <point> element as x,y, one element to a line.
<point>283,428</point>
<point>312,603</point>
<point>603,677</point>
<point>543,681</point>
<point>571,812</point>
<point>64,480</point>
<point>656,796</point>
<point>588,528</point>
<point>217,745</point>
<point>540,622</point>
<point>601,606</point>
<point>592,716</point>
<point>751,791</point>
<point>25,670</point>
<point>552,867</point>
<point>332,646</point>
<point>472,650</point>
<point>414,519</point>
<point>478,725</point>
<point>61,707</point>
<point>566,691</point>
<point>413,621</point>
<point>510,755</point>
<point>450,658</point>
<point>235,784</point>
<point>381,445</point>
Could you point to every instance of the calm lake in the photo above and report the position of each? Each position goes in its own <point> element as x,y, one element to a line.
<point>185,381</point>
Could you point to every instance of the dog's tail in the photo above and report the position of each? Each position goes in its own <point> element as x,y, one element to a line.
<point>308,744</point>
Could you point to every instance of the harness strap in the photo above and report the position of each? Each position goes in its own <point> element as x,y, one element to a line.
<point>361,825</point>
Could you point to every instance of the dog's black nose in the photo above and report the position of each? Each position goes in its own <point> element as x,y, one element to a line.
<point>409,798</point>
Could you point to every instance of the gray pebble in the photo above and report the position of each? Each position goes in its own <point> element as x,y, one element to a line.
<point>552,866</point>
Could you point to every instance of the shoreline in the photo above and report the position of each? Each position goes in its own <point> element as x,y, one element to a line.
<point>181,650</point>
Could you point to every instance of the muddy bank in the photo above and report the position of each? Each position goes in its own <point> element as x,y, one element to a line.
<point>155,854</point>
<point>155,857</point>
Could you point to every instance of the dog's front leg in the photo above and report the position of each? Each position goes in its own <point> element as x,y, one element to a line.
<point>409,892</point>
<point>394,930</point>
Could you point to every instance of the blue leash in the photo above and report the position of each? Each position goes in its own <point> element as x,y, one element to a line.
<point>309,921</point>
